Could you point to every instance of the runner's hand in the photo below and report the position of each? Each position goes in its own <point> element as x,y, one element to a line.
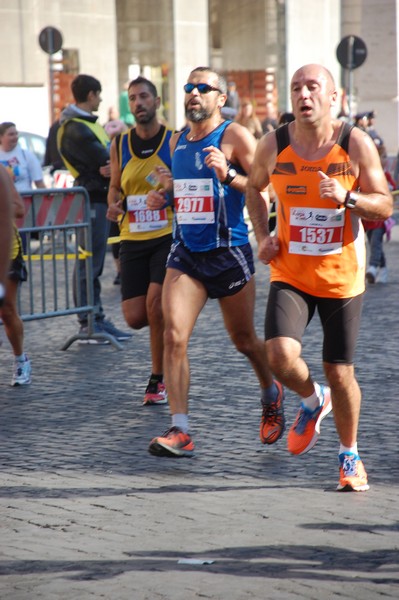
<point>268,248</point>
<point>156,199</point>
<point>331,189</point>
<point>114,211</point>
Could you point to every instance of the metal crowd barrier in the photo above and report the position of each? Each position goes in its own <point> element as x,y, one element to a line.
<point>49,230</point>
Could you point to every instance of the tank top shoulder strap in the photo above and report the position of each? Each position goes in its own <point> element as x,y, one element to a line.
<point>344,135</point>
<point>282,137</point>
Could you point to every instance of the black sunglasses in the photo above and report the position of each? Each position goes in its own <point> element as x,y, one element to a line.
<point>203,88</point>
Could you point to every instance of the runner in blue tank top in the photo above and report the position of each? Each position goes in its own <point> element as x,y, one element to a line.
<point>210,255</point>
<point>217,219</point>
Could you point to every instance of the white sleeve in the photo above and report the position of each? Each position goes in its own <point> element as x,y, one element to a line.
<point>34,168</point>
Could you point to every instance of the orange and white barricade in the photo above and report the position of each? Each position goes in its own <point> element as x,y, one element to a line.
<point>49,229</point>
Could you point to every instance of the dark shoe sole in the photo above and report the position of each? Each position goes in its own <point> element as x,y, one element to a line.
<point>157,449</point>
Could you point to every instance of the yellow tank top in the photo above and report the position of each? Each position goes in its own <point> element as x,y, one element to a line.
<point>140,223</point>
<point>322,247</point>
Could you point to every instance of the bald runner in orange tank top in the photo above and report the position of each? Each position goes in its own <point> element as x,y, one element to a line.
<point>330,237</point>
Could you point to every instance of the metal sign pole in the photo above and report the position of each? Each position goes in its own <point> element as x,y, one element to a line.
<point>50,41</point>
<point>51,73</point>
<point>351,54</point>
<point>350,93</point>
<point>350,63</point>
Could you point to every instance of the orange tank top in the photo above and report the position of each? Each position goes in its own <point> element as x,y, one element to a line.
<point>322,247</point>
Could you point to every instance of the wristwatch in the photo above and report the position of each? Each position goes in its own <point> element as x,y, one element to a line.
<point>350,200</point>
<point>231,173</point>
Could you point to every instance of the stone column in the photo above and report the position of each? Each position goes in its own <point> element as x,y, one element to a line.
<point>190,50</point>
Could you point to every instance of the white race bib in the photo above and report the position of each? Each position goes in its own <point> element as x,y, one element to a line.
<point>194,202</point>
<point>142,218</point>
<point>316,231</point>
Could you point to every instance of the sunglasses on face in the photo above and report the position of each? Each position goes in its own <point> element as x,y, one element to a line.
<point>203,88</point>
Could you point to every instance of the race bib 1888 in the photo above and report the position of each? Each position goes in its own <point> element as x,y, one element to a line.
<point>142,218</point>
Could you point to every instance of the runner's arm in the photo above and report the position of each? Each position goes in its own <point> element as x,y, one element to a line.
<point>373,198</point>
<point>257,196</point>
<point>114,199</point>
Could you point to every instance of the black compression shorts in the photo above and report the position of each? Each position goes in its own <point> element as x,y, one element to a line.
<point>290,310</point>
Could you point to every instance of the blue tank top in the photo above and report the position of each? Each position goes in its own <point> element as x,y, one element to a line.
<point>208,214</point>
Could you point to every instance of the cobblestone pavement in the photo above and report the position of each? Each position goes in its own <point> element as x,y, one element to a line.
<point>88,513</point>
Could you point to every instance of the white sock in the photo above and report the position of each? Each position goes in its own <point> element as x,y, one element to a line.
<point>315,400</point>
<point>180,420</point>
<point>347,449</point>
<point>21,357</point>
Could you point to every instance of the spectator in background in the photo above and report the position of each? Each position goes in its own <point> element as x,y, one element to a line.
<point>84,147</point>
<point>232,104</point>
<point>247,118</point>
<point>361,120</point>
<point>270,122</point>
<point>372,131</point>
<point>22,165</point>
<point>233,98</point>
<point>286,117</point>
<point>124,109</point>
<point>113,114</point>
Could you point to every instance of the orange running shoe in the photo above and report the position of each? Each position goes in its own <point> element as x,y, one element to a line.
<point>352,474</point>
<point>172,443</point>
<point>155,393</point>
<point>306,430</point>
<point>272,424</point>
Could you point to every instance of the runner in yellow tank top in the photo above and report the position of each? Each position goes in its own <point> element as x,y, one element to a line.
<point>326,179</point>
<point>146,235</point>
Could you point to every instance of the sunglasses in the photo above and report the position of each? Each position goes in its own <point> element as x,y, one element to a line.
<point>203,88</point>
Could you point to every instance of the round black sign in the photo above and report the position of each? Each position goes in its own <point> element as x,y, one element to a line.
<point>351,52</point>
<point>50,40</point>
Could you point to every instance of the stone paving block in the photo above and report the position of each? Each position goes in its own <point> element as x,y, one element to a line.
<point>88,513</point>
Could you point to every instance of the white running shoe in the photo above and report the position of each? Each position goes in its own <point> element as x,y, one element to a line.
<point>383,275</point>
<point>371,274</point>
<point>22,372</point>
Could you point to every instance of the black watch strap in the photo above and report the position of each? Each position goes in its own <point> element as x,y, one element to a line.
<point>231,174</point>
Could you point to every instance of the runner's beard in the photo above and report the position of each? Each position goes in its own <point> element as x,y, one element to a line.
<point>145,116</point>
<point>196,115</point>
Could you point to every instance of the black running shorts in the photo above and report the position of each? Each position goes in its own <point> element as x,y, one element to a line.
<point>290,310</point>
<point>223,271</point>
<point>142,263</point>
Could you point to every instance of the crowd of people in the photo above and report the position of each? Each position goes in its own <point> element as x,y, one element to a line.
<point>176,201</point>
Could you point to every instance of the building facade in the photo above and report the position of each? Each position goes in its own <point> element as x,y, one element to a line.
<point>258,42</point>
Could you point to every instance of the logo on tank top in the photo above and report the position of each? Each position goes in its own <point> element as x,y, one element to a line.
<point>296,189</point>
<point>311,169</point>
<point>337,169</point>
<point>198,161</point>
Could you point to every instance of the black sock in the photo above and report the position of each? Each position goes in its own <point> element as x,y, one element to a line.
<point>156,378</point>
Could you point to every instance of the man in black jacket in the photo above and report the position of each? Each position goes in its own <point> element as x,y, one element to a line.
<point>84,147</point>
